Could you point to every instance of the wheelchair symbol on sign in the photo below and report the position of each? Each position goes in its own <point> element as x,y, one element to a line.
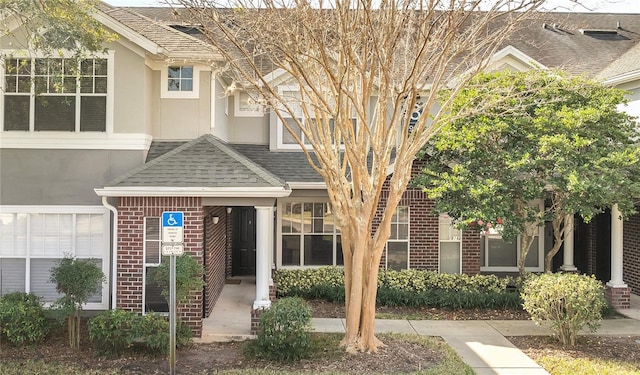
<point>171,220</point>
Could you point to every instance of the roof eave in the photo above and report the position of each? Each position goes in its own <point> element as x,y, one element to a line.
<point>307,185</point>
<point>623,78</point>
<point>126,32</point>
<point>205,192</point>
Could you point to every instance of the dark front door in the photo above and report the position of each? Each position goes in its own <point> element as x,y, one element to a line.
<point>243,258</point>
<point>603,243</point>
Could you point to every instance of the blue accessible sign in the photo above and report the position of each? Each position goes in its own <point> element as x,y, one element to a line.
<point>172,227</point>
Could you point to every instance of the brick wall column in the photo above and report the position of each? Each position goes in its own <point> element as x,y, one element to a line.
<point>130,253</point>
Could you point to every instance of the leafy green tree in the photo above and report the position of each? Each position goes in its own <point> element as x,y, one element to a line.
<point>51,25</point>
<point>543,137</point>
<point>188,277</point>
<point>78,280</point>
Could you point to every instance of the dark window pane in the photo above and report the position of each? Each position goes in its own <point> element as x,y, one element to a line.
<point>153,299</point>
<point>187,85</point>
<point>502,253</point>
<point>187,72</point>
<point>86,85</point>
<point>86,67</point>
<point>70,67</point>
<point>41,67</point>
<point>24,84</point>
<point>41,84</point>
<point>11,84</point>
<point>70,84</point>
<point>16,112</point>
<point>93,114</point>
<point>318,250</point>
<point>55,113</point>
<point>339,254</point>
<point>174,85</point>
<point>397,255</point>
<point>101,85</point>
<point>101,67</point>
<point>290,250</point>
<point>174,71</point>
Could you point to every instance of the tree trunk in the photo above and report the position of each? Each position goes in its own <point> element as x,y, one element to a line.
<point>558,235</point>
<point>525,244</point>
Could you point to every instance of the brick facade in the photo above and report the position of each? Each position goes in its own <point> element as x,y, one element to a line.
<point>620,298</point>
<point>130,253</point>
<point>215,256</point>
<point>631,253</point>
<point>424,231</point>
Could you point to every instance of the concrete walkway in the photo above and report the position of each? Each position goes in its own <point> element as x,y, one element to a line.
<point>480,343</point>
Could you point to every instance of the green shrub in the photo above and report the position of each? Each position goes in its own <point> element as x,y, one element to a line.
<point>404,288</point>
<point>567,301</point>
<point>115,331</point>
<point>23,320</point>
<point>284,331</point>
<point>188,277</point>
<point>110,332</point>
<point>78,280</point>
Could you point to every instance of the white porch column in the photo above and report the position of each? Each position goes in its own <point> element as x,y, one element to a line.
<point>264,240</point>
<point>616,249</point>
<point>567,255</point>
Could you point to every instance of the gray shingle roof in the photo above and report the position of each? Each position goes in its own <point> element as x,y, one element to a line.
<point>204,162</point>
<point>629,62</point>
<point>560,45</point>
<point>176,44</point>
<point>290,166</point>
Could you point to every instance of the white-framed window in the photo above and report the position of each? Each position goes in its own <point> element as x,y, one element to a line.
<point>398,242</point>
<point>497,254</point>
<point>308,235</point>
<point>180,82</point>
<point>285,139</point>
<point>450,246</point>
<point>61,94</point>
<point>154,301</point>
<point>247,104</point>
<point>34,238</point>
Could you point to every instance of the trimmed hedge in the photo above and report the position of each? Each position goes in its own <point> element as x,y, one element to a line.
<point>404,288</point>
<point>114,332</point>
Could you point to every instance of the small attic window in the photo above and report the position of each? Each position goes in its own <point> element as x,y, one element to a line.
<point>596,32</point>
<point>188,29</point>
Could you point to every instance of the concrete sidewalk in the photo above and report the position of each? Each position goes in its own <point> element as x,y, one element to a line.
<point>480,343</point>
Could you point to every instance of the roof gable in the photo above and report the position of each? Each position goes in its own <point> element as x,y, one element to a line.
<point>205,162</point>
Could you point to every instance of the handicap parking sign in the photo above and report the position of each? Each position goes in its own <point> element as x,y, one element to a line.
<point>172,227</point>
<point>172,219</point>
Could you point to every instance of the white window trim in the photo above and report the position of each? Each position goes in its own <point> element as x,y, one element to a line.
<point>279,234</point>
<point>280,128</point>
<point>106,260</point>
<point>237,112</point>
<point>540,267</point>
<point>109,55</point>
<point>145,264</point>
<point>164,84</point>
<point>440,241</point>
<point>407,241</point>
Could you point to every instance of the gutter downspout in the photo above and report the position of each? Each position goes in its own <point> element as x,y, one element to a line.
<point>114,259</point>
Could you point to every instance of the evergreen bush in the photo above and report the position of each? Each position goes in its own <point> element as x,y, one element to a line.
<point>284,331</point>
<point>23,320</point>
<point>567,301</point>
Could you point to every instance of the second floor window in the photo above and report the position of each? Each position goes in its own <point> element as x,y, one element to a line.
<point>180,78</point>
<point>55,94</point>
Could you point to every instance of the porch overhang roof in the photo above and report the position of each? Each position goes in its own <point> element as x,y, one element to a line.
<point>204,192</point>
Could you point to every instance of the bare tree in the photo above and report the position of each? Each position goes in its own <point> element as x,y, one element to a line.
<point>361,70</point>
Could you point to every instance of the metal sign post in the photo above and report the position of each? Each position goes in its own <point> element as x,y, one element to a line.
<point>172,315</point>
<point>172,246</point>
